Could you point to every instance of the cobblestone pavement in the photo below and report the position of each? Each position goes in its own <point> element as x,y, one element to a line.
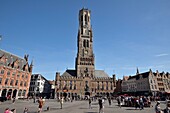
<point>72,107</point>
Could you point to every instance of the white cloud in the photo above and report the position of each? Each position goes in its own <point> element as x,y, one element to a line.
<point>160,55</point>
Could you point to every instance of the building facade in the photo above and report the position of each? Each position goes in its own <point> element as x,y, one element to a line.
<point>84,80</point>
<point>147,83</point>
<point>39,86</point>
<point>15,74</point>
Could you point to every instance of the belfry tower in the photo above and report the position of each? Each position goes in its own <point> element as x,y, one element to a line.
<point>85,58</point>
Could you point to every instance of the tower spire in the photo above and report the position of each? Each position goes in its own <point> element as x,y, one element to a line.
<point>85,57</point>
<point>137,71</point>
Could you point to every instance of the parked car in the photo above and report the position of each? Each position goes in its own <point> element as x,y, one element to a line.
<point>2,99</point>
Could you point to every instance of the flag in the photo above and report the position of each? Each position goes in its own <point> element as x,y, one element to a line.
<point>0,37</point>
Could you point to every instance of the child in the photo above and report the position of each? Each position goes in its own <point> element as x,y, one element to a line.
<point>25,110</point>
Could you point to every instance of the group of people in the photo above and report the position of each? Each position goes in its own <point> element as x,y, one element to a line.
<point>131,101</point>
<point>100,102</point>
<point>7,110</point>
<point>137,102</point>
<point>159,110</point>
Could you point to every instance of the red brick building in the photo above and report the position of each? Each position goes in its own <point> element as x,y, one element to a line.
<point>15,73</point>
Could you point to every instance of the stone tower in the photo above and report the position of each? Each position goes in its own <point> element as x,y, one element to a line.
<point>85,57</point>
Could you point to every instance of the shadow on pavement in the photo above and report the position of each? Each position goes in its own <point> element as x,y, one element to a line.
<point>51,109</point>
<point>90,112</point>
<point>132,109</point>
<point>83,108</point>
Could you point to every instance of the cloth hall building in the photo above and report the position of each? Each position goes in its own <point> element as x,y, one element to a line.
<point>15,74</point>
<point>84,80</point>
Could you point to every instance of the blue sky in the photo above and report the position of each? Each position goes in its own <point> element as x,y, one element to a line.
<point>127,34</point>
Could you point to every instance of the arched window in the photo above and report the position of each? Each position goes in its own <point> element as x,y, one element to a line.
<point>23,93</point>
<point>81,17</point>
<point>102,86</point>
<point>70,85</point>
<point>98,86</point>
<point>20,91</point>
<point>74,85</point>
<point>111,87</point>
<point>107,86</point>
<point>87,43</point>
<point>86,18</point>
<point>81,31</point>
<point>84,43</point>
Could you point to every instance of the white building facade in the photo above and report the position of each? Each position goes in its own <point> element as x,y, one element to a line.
<point>39,86</point>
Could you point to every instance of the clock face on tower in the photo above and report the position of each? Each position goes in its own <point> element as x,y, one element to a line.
<point>85,52</point>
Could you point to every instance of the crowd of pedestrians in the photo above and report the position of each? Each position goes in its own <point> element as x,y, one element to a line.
<point>139,102</point>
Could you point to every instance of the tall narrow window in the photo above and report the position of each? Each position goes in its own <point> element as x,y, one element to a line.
<point>84,43</point>
<point>2,71</point>
<point>6,81</point>
<point>81,17</point>
<point>20,91</point>
<point>111,87</point>
<point>8,73</point>
<point>87,43</point>
<point>85,17</point>
<point>0,80</point>
<point>11,83</point>
<point>25,84</point>
<point>107,86</point>
<point>21,83</point>
<point>81,30</point>
<point>16,83</point>
<point>70,85</point>
<point>74,85</point>
<point>98,86</point>
<point>102,86</point>
<point>23,93</point>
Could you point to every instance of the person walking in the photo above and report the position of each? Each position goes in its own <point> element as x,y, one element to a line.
<point>13,101</point>
<point>101,106</point>
<point>40,101</point>
<point>25,110</point>
<point>137,103</point>
<point>167,109</point>
<point>141,103</point>
<point>7,110</point>
<point>90,103</point>
<point>158,108</point>
<point>61,102</point>
<point>119,101</point>
<point>109,99</point>
<point>13,111</point>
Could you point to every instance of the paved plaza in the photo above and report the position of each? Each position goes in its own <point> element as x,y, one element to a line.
<point>72,107</point>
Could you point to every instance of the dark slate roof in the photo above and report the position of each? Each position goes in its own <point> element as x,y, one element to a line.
<point>143,75</point>
<point>72,73</point>
<point>100,73</point>
<point>69,73</point>
<point>11,58</point>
